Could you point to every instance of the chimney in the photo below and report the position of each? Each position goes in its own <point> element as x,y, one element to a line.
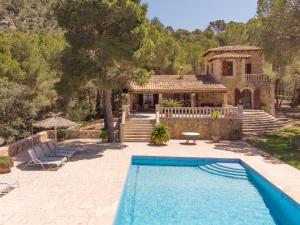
<point>181,72</point>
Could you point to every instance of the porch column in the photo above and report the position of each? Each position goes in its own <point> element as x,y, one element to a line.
<point>160,97</point>
<point>225,101</point>
<point>130,101</point>
<point>193,100</point>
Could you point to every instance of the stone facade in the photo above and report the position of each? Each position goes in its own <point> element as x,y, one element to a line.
<point>207,127</point>
<point>247,85</point>
<point>238,81</point>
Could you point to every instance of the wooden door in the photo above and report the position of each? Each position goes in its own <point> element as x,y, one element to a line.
<point>237,96</point>
<point>256,99</point>
<point>155,99</point>
<point>141,99</point>
<point>248,68</point>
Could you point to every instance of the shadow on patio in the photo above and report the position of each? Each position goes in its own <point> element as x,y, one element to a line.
<point>89,149</point>
<point>246,149</point>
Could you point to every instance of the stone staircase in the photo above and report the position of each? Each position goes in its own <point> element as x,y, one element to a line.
<point>258,121</point>
<point>138,130</point>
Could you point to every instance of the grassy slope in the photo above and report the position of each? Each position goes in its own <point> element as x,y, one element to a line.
<point>282,145</point>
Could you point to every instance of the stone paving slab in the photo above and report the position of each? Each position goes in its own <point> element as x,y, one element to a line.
<point>87,189</point>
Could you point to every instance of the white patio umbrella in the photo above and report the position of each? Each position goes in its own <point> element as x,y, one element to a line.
<point>55,121</point>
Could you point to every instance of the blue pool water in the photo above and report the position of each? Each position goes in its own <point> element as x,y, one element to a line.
<point>191,191</point>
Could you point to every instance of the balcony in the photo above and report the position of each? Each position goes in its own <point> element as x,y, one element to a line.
<point>256,78</point>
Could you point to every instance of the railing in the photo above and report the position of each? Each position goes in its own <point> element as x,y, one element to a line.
<point>125,114</point>
<point>227,112</point>
<point>257,78</point>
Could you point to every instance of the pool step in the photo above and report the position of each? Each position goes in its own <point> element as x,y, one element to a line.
<point>224,171</point>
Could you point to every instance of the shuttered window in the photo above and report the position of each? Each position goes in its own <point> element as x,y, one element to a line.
<point>227,68</point>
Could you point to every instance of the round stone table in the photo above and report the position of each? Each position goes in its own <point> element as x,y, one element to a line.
<point>191,136</point>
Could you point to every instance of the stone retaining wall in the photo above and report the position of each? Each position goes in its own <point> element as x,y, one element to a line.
<point>25,144</point>
<point>207,127</point>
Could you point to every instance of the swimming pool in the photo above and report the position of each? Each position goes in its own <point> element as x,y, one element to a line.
<point>194,191</point>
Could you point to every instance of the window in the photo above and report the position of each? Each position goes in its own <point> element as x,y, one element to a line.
<point>212,68</point>
<point>227,68</point>
<point>147,98</point>
<point>207,69</point>
<point>248,68</point>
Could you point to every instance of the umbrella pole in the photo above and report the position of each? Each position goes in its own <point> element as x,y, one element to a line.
<point>55,133</point>
<point>32,141</point>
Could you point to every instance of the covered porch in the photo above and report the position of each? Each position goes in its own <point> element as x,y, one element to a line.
<point>143,102</point>
<point>190,90</point>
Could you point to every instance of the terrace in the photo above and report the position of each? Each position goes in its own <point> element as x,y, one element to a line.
<point>87,190</point>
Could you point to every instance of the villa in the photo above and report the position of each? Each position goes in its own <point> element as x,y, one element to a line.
<point>232,82</point>
<point>233,75</point>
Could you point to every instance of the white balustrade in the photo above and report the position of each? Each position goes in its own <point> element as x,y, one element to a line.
<point>256,78</point>
<point>227,112</point>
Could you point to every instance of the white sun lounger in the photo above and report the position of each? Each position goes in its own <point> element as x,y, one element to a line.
<point>43,162</point>
<point>7,182</point>
<point>55,147</point>
<point>49,153</point>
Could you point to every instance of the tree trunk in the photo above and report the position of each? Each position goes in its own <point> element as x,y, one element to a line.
<point>108,118</point>
<point>294,99</point>
<point>98,103</point>
<point>277,93</point>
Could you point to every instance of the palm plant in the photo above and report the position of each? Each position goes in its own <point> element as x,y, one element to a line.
<point>160,134</point>
<point>170,103</point>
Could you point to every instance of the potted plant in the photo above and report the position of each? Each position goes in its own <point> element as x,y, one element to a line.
<point>160,134</point>
<point>6,163</point>
<point>104,135</point>
<point>216,115</point>
<point>235,134</point>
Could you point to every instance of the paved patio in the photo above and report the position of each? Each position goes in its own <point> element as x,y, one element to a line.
<point>87,190</point>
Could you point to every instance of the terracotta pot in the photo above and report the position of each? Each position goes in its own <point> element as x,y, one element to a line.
<point>215,139</point>
<point>104,140</point>
<point>5,170</point>
<point>234,138</point>
<point>158,142</point>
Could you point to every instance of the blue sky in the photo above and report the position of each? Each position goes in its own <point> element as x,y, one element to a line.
<point>191,14</point>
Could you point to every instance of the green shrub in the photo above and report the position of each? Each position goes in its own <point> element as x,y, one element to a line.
<point>170,103</point>
<point>104,134</point>
<point>216,114</point>
<point>160,134</point>
<point>61,134</point>
<point>6,162</point>
<point>236,133</point>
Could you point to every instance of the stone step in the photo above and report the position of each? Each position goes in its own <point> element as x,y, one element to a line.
<point>140,121</point>
<point>137,140</point>
<point>138,132</point>
<point>137,136</point>
<point>139,126</point>
<point>259,130</point>
<point>260,120</point>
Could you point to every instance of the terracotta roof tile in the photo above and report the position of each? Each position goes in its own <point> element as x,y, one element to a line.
<point>173,83</point>
<point>233,48</point>
<point>229,55</point>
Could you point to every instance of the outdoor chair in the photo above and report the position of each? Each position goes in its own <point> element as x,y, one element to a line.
<point>53,145</point>
<point>41,155</point>
<point>49,153</point>
<point>7,183</point>
<point>43,162</point>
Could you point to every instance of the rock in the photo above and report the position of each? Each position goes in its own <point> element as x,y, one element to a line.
<point>7,23</point>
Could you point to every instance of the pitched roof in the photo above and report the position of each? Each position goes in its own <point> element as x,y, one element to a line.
<point>233,48</point>
<point>229,55</point>
<point>173,83</point>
